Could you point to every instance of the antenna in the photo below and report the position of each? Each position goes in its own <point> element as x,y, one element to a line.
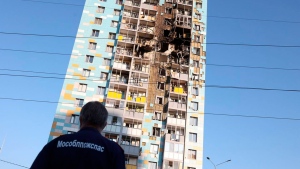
<point>2,144</point>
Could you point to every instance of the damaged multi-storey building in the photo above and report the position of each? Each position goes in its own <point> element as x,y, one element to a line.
<point>145,61</point>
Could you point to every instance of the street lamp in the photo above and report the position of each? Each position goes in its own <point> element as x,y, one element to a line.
<point>217,164</point>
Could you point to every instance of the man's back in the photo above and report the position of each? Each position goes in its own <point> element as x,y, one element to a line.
<point>85,149</point>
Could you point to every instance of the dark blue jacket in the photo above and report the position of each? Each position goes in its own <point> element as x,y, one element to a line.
<point>86,149</point>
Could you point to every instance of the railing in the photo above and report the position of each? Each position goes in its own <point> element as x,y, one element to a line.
<point>132,131</point>
<point>146,29</point>
<point>129,14</point>
<point>139,99</point>
<point>120,65</point>
<point>185,2</point>
<point>176,105</point>
<point>182,12</point>
<point>130,166</point>
<point>141,68</point>
<point>132,3</point>
<point>181,76</point>
<point>117,79</point>
<point>132,150</point>
<point>114,111</point>
<point>129,26</point>
<point>176,121</point>
<point>148,17</point>
<point>175,138</point>
<point>134,114</point>
<point>124,51</point>
<point>112,128</point>
<point>116,94</point>
<point>139,83</point>
<point>125,38</point>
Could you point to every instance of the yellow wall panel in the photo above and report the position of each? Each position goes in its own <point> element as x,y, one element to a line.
<point>146,162</point>
<point>53,125</point>
<point>91,40</point>
<point>69,87</point>
<point>68,96</point>
<point>110,43</point>
<point>70,112</point>
<point>98,55</point>
<point>75,65</point>
<point>92,68</point>
<point>91,22</point>
<point>55,134</point>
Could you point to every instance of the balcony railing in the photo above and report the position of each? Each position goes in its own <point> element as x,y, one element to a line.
<point>141,68</point>
<point>129,26</point>
<point>112,128</point>
<point>176,105</point>
<point>120,65</point>
<point>181,76</point>
<point>139,99</point>
<point>133,114</point>
<point>132,3</point>
<point>132,131</point>
<point>130,14</point>
<point>146,29</point>
<point>132,150</point>
<point>148,17</point>
<point>125,38</point>
<point>185,2</point>
<point>116,94</point>
<point>175,137</point>
<point>119,79</point>
<point>176,121</point>
<point>124,51</point>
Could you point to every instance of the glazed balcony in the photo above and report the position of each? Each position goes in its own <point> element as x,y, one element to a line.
<point>124,51</point>
<point>121,65</point>
<point>129,26</point>
<point>112,128</point>
<point>176,121</point>
<point>132,3</point>
<point>174,138</point>
<point>134,114</point>
<point>177,105</point>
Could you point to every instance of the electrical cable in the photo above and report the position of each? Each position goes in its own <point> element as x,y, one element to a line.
<point>13,163</point>
<point>207,86</point>
<point>215,114</point>
<point>209,16</point>
<point>208,43</point>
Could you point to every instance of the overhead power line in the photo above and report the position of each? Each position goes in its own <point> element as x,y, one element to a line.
<point>215,114</point>
<point>251,67</point>
<point>208,43</point>
<point>13,163</point>
<point>204,86</point>
<point>209,16</point>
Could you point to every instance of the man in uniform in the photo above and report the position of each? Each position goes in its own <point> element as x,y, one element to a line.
<point>86,149</point>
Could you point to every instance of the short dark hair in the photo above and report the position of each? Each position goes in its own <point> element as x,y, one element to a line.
<point>94,113</point>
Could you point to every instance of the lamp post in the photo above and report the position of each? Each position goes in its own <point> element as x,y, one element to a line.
<point>217,164</point>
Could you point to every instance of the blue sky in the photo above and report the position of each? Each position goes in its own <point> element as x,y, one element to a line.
<point>248,142</point>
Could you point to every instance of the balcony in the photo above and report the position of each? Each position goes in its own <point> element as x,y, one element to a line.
<point>177,105</point>
<point>184,12</point>
<point>124,51</point>
<point>126,39</point>
<point>121,65</point>
<point>176,121</point>
<point>117,78</point>
<point>141,68</point>
<point>130,166</point>
<point>114,110</point>
<point>131,150</point>
<point>134,114</point>
<point>185,2</point>
<point>132,3</point>
<point>129,26</point>
<point>112,128</point>
<point>130,14</point>
<point>180,75</point>
<point>150,18</point>
<point>146,29</point>
<point>132,131</point>
<point>116,94</point>
<point>150,4</point>
<point>175,138</point>
<point>137,97</point>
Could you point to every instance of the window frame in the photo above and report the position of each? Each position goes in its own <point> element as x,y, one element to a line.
<point>98,21</point>
<point>81,87</point>
<point>74,118</point>
<point>84,72</point>
<point>101,89</point>
<point>79,102</point>
<point>152,150</point>
<point>193,137</point>
<point>100,9</point>
<point>92,46</point>
<point>195,119</point>
<point>109,49</point>
<point>89,59</point>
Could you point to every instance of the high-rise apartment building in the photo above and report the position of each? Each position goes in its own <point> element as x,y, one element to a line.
<point>145,61</point>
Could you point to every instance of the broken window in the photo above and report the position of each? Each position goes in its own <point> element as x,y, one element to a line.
<point>160,86</point>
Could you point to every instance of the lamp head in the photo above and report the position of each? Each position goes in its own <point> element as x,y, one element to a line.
<point>208,158</point>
